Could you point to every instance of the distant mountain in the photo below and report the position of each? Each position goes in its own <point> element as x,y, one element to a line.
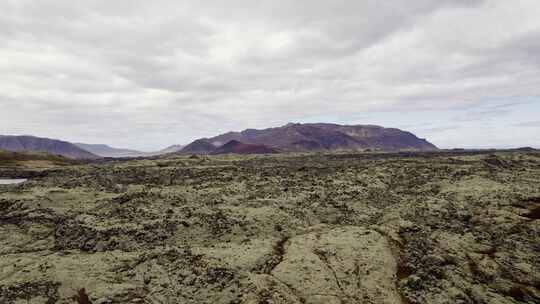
<point>199,146</point>
<point>38,144</point>
<point>295,137</point>
<point>237,147</point>
<point>107,151</point>
<point>526,149</point>
<point>171,149</point>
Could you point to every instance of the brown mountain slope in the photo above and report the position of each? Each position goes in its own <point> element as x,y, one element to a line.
<point>381,138</point>
<point>236,147</point>
<point>321,136</point>
<point>47,145</point>
<point>199,146</point>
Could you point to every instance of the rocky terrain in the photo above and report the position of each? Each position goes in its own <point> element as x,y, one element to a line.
<point>287,228</point>
<point>25,165</point>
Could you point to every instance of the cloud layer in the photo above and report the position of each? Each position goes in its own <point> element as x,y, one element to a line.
<point>146,74</point>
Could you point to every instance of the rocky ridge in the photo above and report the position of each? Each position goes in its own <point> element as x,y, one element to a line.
<point>295,137</point>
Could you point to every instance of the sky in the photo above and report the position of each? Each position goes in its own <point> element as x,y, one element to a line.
<point>149,74</point>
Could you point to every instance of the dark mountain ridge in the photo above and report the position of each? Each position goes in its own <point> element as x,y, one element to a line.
<point>199,146</point>
<point>296,137</point>
<point>237,147</point>
<point>27,143</point>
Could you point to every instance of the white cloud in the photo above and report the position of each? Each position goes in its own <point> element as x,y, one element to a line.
<point>151,73</point>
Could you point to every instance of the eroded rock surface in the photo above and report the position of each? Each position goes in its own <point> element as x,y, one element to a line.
<point>343,265</point>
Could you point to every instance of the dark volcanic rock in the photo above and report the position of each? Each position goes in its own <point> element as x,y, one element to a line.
<point>316,228</point>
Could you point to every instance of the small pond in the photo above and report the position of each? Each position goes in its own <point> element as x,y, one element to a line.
<point>11,181</point>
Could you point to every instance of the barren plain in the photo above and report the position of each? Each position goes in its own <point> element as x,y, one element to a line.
<point>295,228</point>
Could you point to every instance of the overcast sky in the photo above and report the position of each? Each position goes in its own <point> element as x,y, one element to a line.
<point>148,74</point>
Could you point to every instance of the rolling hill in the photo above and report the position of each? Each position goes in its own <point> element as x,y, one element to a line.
<point>27,143</point>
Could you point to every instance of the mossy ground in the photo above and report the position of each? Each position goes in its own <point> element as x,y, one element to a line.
<point>311,228</point>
